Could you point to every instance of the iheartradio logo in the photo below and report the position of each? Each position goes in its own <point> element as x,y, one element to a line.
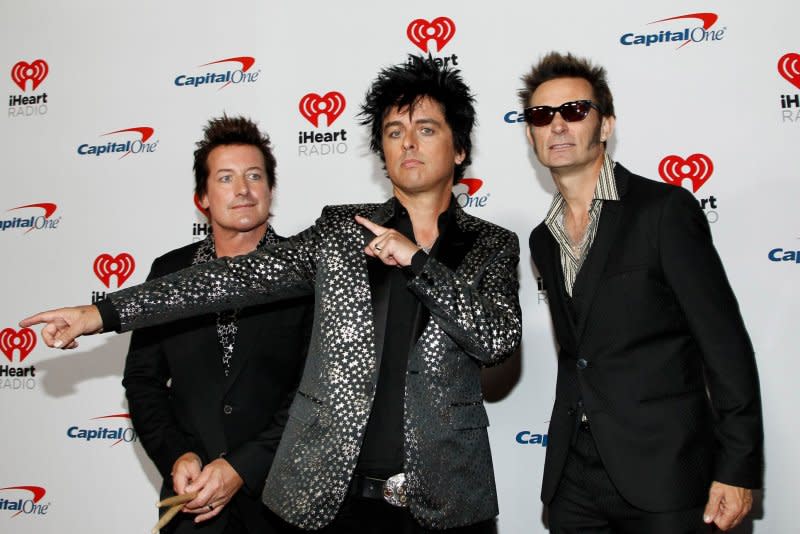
<point>789,68</point>
<point>122,266</point>
<point>421,31</point>
<point>331,105</point>
<point>198,205</point>
<point>36,72</point>
<point>697,168</point>
<point>23,340</point>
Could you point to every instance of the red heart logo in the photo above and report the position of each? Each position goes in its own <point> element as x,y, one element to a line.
<point>36,72</point>
<point>122,266</point>
<point>789,68</point>
<point>697,168</point>
<point>331,105</point>
<point>23,340</point>
<point>440,29</point>
<point>199,206</point>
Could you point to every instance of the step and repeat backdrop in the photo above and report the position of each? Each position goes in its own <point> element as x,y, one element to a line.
<point>105,100</point>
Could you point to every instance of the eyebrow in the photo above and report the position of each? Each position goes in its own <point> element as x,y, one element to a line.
<point>225,169</point>
<point>423,120</point>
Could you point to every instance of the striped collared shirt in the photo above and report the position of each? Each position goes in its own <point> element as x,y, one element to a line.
<point>572,258</point>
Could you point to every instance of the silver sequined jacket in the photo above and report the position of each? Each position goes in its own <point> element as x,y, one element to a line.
<point>475,320</point>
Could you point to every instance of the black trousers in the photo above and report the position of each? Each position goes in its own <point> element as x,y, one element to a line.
<point>587,502</point>
<point>370,516</point>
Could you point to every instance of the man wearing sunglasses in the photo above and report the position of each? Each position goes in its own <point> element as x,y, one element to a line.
<point>656,425</point>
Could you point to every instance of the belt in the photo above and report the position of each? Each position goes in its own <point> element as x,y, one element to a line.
<point>391,490</point>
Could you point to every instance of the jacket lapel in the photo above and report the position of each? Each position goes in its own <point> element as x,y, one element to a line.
<point>594,265</point>
<point>379,280</point>
<point>244,344</point>
<point>558,292</point>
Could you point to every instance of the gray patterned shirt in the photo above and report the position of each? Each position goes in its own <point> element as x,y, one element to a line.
<point>571,259</point>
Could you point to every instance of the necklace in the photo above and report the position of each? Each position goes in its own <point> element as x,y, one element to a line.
<point>578,247</point>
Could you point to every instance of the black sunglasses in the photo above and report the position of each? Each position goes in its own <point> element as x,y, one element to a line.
<point>570,112</point>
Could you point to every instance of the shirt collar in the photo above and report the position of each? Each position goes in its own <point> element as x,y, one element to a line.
<point>606,189</point>
<point>398,210</point>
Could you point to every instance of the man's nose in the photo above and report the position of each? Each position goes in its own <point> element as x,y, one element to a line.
<point>241,185</point>
<point>558,125</point>
<point>409,140</point>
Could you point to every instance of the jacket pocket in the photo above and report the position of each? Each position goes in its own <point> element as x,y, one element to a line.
<point>305,408</point>
<point>467,416</point>
<point>674,396</point>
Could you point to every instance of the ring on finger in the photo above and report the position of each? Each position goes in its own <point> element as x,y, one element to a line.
<point>376,247</point>
<point>210,507</point>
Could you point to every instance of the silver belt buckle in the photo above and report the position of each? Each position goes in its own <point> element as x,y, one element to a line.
<point>394,490</point>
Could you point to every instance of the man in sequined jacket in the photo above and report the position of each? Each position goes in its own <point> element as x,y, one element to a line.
<point>387,432</point>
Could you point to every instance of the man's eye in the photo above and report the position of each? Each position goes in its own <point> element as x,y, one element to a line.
<point>225,178</point>
<point>254,176</point>
<point>426,130</point>
<point>394,134</point>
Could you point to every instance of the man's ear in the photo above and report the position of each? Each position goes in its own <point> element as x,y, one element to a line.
<point>607,128</point>
<point>528,134</point>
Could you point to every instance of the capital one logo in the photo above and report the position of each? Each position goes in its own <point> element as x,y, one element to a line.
<point>331,105</point>
<point>789,68</point>
<point>121,266</point>
<point>115,432</point>
<point>466,191</point>
<point>696,168</point>
<point>138,145</point>
<point>33,222</point>
<point>23,341</point>
<point>421,31</point>
<point>30,505</point>
<point>243,74</point>
<point>35,72</point>
<point>686,35</point>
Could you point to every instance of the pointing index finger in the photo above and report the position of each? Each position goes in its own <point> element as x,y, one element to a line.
<point>376,229</point>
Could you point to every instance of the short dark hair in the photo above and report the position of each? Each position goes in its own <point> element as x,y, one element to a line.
<point>226,130</point>
<point>404,85</point>
<point>555,65</point>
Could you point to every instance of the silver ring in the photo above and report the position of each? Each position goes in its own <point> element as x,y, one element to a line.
<point>210,507</point>
<point>377,247</point>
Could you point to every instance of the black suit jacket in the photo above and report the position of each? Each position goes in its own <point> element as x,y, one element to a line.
<point>658,353</point>
<point>180,399</point>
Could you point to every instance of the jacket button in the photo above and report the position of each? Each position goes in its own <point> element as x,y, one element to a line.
<point>582,364</point>
<point>227,409</point>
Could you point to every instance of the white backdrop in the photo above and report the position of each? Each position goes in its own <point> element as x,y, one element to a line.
<point>720,112</point>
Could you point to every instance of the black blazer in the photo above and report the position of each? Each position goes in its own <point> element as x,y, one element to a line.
<point>658,353</point>
<point>181,401</point>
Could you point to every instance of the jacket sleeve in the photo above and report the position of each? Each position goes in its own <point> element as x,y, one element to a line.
<point>482,315</point>
<point>282,271</point>
<point>145,381</point>
<point>695,273</point>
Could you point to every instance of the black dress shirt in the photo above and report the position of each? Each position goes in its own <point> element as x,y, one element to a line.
<point>382,450</point>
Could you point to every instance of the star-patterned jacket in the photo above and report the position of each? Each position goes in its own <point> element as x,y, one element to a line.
<point>475,320</point>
